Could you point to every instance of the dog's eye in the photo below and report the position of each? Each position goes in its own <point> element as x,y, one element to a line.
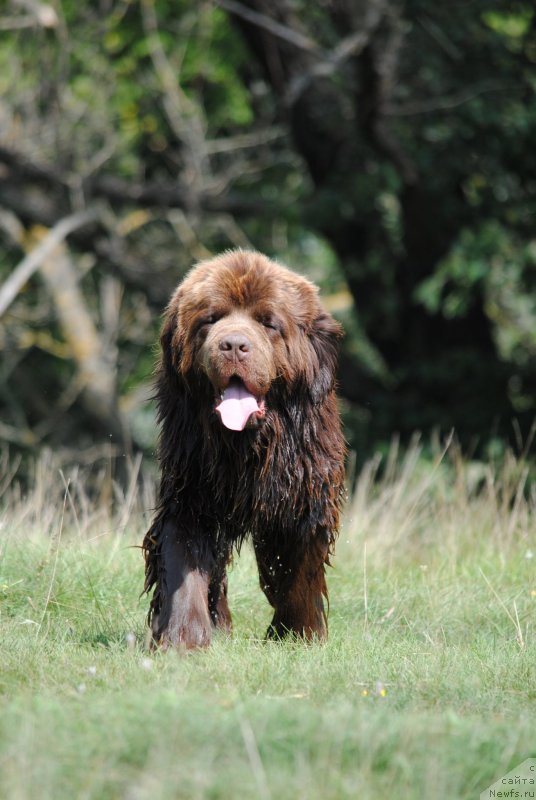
<point>200,327</point>
<point>270,323</point>
<point>210,319</point>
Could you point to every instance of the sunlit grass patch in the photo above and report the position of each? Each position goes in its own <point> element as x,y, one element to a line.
<point>426,686</point>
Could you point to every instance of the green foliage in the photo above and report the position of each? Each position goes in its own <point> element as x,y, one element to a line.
<point>498,263</point>
<point>512,26</point>
<point>431,256</point>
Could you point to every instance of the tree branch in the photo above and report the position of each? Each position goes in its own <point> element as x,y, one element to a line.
<point>284,32</point>
<point>157,193</point>
<point>184,116</point>
<point>34,259</point>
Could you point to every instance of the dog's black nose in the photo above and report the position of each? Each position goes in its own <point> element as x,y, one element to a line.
<point>235,346</point>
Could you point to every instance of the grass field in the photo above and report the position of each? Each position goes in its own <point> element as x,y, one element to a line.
<point>425,689</point>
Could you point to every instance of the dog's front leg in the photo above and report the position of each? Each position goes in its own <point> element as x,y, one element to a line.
<point>294,582</point>
<point>179,615</point>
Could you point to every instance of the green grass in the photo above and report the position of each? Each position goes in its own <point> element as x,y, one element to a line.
<point>425,689</point>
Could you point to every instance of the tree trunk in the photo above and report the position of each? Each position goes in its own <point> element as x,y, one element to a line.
<point>441,367</point>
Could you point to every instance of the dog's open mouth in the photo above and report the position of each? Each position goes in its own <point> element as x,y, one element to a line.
<point>238,407</point>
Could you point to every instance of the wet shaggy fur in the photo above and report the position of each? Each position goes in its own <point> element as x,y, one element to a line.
<point>242,317</point>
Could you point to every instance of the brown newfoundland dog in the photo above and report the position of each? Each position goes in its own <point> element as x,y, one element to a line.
<point>250,444</point>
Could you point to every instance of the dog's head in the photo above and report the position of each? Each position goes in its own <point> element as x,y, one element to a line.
<point>244,324</point>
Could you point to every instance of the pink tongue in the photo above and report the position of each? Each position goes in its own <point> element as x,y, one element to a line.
<point>237,406</point>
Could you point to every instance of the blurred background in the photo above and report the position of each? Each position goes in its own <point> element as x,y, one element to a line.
<point>385,149</point>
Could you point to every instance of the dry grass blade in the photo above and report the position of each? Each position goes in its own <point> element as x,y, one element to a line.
<point>56,546</point>
<point>254,757</point>
<point>82,498</point>
<point>405,504</point>
<point>513,620</point>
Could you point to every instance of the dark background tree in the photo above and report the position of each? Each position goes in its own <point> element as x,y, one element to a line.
<point>384,148</point>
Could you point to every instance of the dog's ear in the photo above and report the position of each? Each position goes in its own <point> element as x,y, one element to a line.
<point>324,337</point>
<point>176,410</point>
<point>170,339</point>
<point>166,341</point>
